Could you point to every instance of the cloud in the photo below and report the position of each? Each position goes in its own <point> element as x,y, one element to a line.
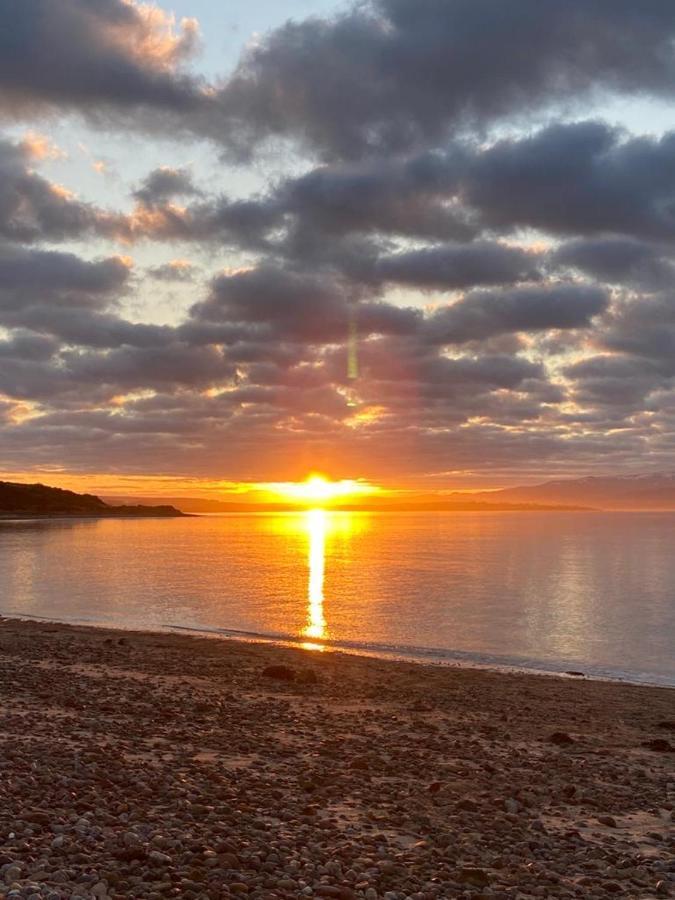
<point>46,277</point>
<point>165,183</point>
<point>390,75</point>
<point>174,270</point>
<point>93,57</point>
<point>429,287</point>
<point>297,306</point>
<point>33,208</point>
<point>619,260</point>
<point>483,314</point>
<point>456,266</point>
<point>581,178</point>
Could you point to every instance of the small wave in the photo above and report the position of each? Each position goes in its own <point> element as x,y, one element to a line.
<point>436,655</point>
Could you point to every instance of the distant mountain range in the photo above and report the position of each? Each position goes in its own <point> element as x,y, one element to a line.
<point>38,500</point>
<point>610,492</point>
<point>406,503</point>
<point>600,492</point>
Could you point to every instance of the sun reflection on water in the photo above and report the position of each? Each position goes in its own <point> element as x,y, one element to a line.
<point>316,622</point>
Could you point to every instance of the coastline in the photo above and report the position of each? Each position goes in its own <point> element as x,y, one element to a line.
<point>420,656</point>
<point>143,764</point>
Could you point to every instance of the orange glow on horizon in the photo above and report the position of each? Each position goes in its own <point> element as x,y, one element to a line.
<point>318,490</point>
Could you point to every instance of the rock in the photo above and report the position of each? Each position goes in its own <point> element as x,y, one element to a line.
<point>609,821</point>
<point>128,854</point>
<point>575,674</point>
<point>561,739</point>
<point>37,817</point>
<point>666,725</point>
<point>662,889</point>
<point>11,873</point>
<point>279,673</point>
<point>659,745</point>
<point>473,876</point>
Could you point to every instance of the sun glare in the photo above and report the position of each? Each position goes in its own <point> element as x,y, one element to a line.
<point>318,490</point>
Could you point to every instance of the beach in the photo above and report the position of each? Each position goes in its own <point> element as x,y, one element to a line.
<point>150,765</point>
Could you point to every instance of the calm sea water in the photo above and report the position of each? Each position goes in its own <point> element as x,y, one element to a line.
<point>558,591</point>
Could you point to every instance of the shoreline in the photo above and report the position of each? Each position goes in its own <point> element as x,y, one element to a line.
<point>155,764</point>
<point>432,657</point>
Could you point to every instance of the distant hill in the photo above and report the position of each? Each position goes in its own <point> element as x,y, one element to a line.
<point>37,500</point>
<point>608,492</point>
<point>409,503</point>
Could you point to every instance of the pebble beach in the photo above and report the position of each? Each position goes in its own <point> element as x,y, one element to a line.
<point>140,765</point>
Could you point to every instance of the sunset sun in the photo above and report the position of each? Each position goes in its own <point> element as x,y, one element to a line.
<point>317,490</point>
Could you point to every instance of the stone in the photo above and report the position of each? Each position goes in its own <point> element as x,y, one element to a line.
<point>473,876</point>
<point>659,745</point>
<point>561,739</point>
<point>279,673</point>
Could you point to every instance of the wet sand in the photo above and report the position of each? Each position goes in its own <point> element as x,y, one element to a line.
<point>154,765</point>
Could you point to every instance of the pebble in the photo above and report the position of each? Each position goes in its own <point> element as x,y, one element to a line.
<point>177,770</point>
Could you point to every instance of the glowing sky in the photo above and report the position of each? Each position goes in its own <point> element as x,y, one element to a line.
<point>421,243</point>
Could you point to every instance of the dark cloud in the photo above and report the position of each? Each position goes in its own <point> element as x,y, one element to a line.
<point>582,178</point>
<point>643,328</point>
<point>165,183</point>
<point>324,343</point>
<point>403,197</point>
<point>482,314</point>
<point>456,266</point>
<point>45,278</point>
<point>298,306</point>
<point>93,55</point>
<point>392,74</point>
<point>619,381</point>
<point>32,208</point>
<point>618,260</point>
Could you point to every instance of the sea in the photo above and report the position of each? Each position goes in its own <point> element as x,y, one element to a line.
<point>585,592</point>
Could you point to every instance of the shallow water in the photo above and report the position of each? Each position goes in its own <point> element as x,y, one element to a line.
<point>587,591</point>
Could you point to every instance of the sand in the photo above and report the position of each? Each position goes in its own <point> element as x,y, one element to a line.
<point>153,765</point>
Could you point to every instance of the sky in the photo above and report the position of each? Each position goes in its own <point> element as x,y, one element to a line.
<point>425,243</point>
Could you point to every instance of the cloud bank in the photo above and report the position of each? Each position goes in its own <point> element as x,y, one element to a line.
<point>437,283</point>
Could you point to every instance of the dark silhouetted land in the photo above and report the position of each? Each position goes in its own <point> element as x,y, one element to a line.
<point>38,500</point>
